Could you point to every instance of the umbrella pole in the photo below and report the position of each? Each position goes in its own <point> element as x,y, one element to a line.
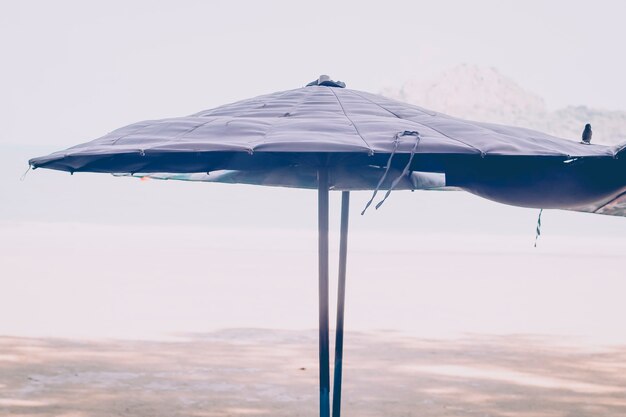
<point>341,298</point>
<point>322,208</point>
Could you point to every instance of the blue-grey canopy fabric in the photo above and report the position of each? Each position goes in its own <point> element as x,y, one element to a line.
<point>357,134</point>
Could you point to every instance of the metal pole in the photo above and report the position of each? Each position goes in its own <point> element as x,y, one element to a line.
<point>341,298</point>
<point>322,209</point>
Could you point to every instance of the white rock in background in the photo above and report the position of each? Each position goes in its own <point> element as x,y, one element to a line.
<point>483,94</point>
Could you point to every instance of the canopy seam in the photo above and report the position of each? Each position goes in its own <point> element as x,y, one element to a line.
<point>153,122</point>
<point>286,115</point>
<point>421,124</point>
<point>465,122</point>
<point>264,99</point>
<point>356,129</point>
<point>182,135</point>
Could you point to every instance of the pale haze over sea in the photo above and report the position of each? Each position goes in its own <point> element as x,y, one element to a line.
<point>91,255</point>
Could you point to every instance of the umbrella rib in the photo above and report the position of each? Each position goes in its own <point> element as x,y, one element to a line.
<point>609,202</point>
<point>356,129</point>
<point>421,124</point>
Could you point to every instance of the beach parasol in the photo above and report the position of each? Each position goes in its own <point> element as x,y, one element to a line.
<point>328,137</point>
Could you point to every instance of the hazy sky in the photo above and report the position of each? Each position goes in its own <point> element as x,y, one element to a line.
<point>93,254</point>
<point>73,70</point>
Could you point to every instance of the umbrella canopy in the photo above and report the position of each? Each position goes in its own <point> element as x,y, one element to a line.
<point>324,124</point>
<point>327,136</point>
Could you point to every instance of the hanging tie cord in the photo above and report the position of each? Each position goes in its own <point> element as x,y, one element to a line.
<point>405,171</point>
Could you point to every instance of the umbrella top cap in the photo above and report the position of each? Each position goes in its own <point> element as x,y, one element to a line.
<point>325,81</point>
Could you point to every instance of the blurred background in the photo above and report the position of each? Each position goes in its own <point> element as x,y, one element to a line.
<point>94,256</point>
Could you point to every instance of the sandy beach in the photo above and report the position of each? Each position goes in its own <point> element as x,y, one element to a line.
<point>141,336</point>
<point>256,372</point>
